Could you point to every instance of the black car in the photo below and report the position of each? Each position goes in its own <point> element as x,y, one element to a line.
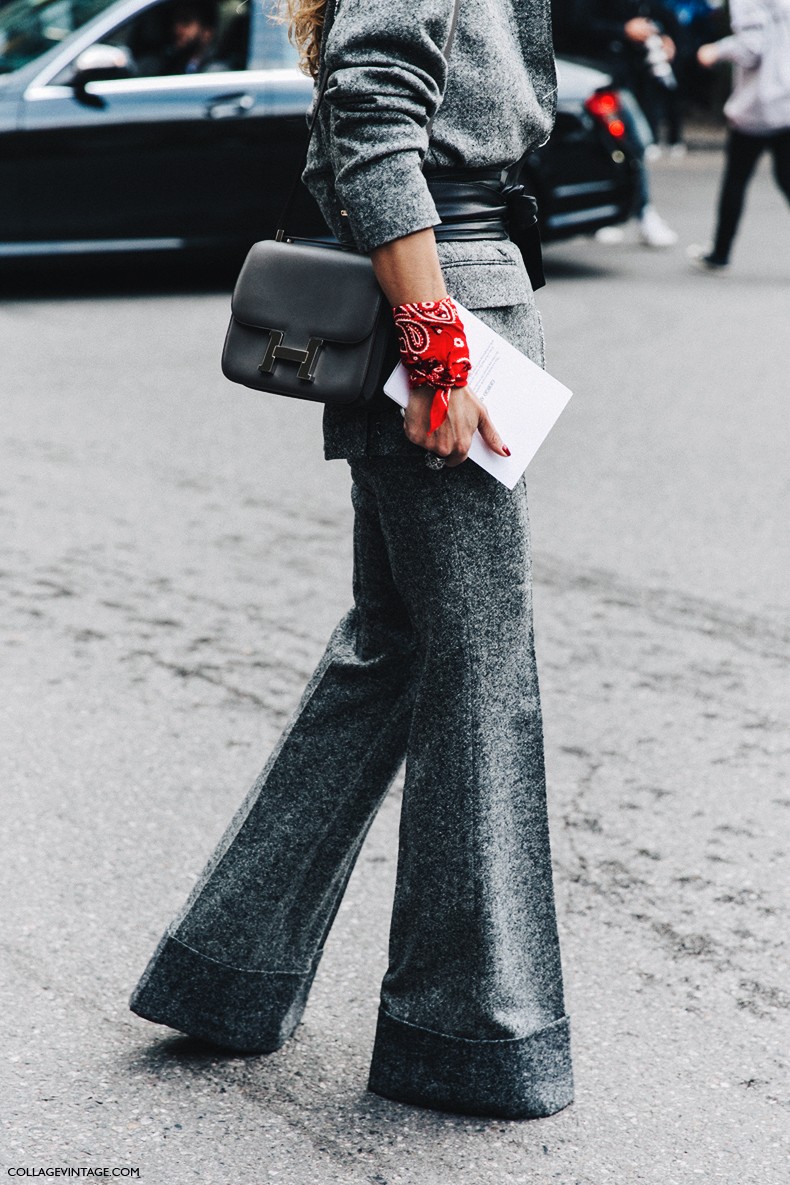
<point>103,147</point>
<point>586,177</point>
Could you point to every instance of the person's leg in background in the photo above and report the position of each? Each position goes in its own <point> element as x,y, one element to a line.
<point>780,150</point>
<point>649,96</point>
<point>742,155</point>
<point>236,965</point>
<point>675,109</point>
<point>683,65</point>
<point>653,231</point>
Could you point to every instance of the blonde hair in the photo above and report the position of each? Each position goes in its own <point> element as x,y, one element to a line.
<point>305,20</point>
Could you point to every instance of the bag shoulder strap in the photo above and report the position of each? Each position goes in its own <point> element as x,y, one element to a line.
<point>281,233</point>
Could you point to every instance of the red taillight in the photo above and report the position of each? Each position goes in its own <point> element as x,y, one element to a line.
<point>605,107</point>
<point>602,104</point>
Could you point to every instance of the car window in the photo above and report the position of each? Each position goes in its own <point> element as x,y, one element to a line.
<point>28,28</point>
<point>275,52</point>
<point>181,37</point>
<point>189,37</point>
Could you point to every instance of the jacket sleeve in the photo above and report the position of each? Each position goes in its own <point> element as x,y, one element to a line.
<point>745,46</point>
<point>386,78</point>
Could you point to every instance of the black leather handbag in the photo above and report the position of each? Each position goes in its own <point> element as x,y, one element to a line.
<point>308,319</point>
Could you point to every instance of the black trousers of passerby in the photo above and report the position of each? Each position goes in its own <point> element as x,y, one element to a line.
<point>743,153</point>
<point>663,107</point>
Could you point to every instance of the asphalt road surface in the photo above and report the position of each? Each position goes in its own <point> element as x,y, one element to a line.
<point>175,553</point>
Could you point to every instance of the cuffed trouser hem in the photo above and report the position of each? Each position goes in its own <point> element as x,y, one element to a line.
<point>246,1011</point>
<point>523,1078</point>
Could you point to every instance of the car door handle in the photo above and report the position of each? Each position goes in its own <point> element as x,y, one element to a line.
<point>229,106</point>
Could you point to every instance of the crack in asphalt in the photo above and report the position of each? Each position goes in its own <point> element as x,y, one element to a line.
<point>766,634</point>
<point>207,673</point>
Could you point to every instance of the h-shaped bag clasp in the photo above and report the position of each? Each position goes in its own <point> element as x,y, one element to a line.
<point>306,358</point>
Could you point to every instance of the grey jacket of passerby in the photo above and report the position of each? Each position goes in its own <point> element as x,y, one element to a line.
<point>759,48</point>
<point>387,75</point>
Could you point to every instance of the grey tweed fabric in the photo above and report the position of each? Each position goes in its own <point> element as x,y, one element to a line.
<point>433,664</point>
<point>387,75</point>
<point>493,101</point>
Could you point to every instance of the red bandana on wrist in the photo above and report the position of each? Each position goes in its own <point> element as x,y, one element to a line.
<point>433,349</point>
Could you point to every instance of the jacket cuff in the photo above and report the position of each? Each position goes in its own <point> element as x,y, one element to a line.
<point>386,200</point>
<point>737,50</point>
<point>726,49</point>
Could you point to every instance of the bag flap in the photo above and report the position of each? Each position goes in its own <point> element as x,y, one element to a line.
<point>308,291</point>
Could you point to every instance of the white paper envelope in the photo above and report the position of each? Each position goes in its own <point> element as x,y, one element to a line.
<point>522,399</point>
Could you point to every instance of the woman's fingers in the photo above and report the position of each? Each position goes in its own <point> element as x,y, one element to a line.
<point>490,435</point>
<point>452,439</point>
<point>417,419</point>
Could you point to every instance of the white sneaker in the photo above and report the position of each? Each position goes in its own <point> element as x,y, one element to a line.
<point>678,151</point>
<point>653,152</point>
<point>610,235</point>
<point>653,230</point>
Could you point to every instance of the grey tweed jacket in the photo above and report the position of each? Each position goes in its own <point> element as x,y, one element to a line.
<point>387,76</point>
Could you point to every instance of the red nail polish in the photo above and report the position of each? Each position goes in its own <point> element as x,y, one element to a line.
<point>506,450</point>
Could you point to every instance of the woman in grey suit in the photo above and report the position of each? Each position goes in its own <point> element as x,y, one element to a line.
<point>434,663</point>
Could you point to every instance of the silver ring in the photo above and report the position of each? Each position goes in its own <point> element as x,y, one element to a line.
<point>434,462</point>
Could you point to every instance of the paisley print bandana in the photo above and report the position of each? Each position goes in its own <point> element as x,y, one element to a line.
<point>433,349</point>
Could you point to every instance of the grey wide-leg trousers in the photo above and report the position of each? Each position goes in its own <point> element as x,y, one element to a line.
<point>434,663</point>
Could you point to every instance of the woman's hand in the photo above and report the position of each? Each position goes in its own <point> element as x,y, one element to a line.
<point>408,271</point>
<point>639,28</point>
<point>670,49</point>
<point>708,55</point>
<point>453,438</point>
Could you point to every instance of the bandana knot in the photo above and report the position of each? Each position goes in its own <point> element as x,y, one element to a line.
<point>434,350</point>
